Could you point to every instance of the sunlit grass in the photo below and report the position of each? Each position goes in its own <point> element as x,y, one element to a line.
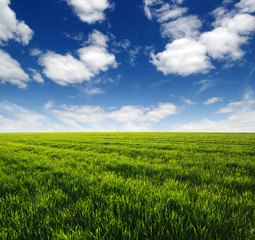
<point>127,186</point>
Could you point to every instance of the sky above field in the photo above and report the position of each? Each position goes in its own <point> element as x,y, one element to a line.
<point>136,65</point>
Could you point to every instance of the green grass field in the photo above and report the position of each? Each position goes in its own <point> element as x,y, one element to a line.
<point>127,186</point>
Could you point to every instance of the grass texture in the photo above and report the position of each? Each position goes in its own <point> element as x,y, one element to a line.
<point>127,186</point>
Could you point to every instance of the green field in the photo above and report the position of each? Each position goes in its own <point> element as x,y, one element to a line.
<point>127,186</point>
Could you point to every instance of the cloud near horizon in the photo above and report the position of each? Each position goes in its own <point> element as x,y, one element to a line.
<point>14,118</point>
<point>241,119</point>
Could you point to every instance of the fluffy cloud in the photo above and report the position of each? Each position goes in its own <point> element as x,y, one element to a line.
<point>230,34</point>
<point>231,30</point>
<point>11,71</point>
<point>221,43</point>
<point>213,100</point>
<point>10,27</point>
<point>66,69</point>
<point>96,58</point>
<point>89,11</point>
<point>183,57</point>
<point>182,27</point>
<point>246,6</point>
<point>186,55</point>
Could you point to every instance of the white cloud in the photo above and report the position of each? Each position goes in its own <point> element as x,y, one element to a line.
<point>10,27</point>
<point>97,58</point>
<point>66,69</point>
<point>222,43</point>
<point>11,71</point>
<point>242,106</point>
<point>182,27</point>
<point>183,57</point>
<point>36,75</point>
<point>242,24</point>
<point>89,11</point>
<point>213,100</point>
<point>246,6</point>
<point>231,30</point>
<point>97,39</point>
<point>230,33</point>
<point>239,122</point>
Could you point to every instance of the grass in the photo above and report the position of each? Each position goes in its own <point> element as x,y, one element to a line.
<point>127,186</point>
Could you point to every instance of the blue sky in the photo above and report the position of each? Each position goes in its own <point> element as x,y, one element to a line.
<point>113,65</point>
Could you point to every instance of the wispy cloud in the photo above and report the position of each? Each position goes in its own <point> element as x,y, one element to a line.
<point>159,83</point>
<point>35,52</point>
<point>14,118</point>
<point>90,91</point>
<point>242,106</point>
<point>238,122</point>
<point>213,100</point>
<point>205,84</point>
<point>36,75</point>
<point>189,102</point>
